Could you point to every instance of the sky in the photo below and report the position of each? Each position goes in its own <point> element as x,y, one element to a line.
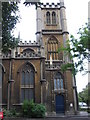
<point>76,14</point>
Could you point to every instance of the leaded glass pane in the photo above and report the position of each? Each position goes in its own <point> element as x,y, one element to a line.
<point>31,94</point>
<point>58,84</point>
<point>26,94</point>
<point>22,95</point>
<point>27,78</point>
<point>22,81</point>
<point>31,78</point>
<point>61,83</point>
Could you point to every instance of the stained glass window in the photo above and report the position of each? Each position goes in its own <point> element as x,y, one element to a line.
<point>27,83</point>
<point>52,48</point>
<point>58,82</point>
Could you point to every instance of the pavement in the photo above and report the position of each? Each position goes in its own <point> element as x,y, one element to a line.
<point>79,116</point>
<point>82,113</point>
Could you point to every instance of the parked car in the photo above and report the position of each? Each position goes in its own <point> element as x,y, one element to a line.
<point>83,105</point>
<point>1,114</point>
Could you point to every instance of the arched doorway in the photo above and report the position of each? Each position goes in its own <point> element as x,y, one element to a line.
<point>58,88</point>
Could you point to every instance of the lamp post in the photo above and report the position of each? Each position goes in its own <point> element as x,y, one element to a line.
<point>8,102</point>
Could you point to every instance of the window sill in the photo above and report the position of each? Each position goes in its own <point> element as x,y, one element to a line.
<point>59,90</point>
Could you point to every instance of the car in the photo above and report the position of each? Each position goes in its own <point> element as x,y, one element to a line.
<point>83,105</point>
<point>1,114</point>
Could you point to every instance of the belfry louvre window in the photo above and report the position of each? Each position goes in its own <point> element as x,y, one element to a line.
<point>52,48</point>
<point>53,18</point>
<point>58,82</point>
<point>48,20</point>
<point>27,83</point>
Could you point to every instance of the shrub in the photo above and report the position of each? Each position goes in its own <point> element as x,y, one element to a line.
<point>27,108</point>
<point>13,111</point>
<point>30,109</point>
<point>39,111</point>
<point>9,113</point>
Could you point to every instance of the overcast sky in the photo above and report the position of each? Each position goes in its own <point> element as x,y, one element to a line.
<point>76,14</point>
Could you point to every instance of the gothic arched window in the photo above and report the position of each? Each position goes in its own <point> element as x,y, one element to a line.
<point>52,48</point>
<point>48,20</point>
<point>27,82</point>
<point>58,81</point>
<point>53,18</point>
<point>28,51</point>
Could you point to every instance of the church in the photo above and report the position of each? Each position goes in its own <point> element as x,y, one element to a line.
<point>33,70</point>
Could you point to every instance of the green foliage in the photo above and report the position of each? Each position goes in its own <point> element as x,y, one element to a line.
<point>9,20</point>
<point>30,109</point>
<point>78,49</point>
<point>67,66</point>
<point>84,96</point>
<point>27,108</point>
<point>10,113</point>
<point>7,113</point>
<point>38,111</point>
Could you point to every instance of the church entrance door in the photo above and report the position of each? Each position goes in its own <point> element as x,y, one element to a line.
<point>59,104</point>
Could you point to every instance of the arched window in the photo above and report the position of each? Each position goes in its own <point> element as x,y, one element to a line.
<point>48,20</point>
<point>28,51</point>
<point>27,82</point>
<point>52,48</point>
<point>58,81</point>
<point>53,18</point>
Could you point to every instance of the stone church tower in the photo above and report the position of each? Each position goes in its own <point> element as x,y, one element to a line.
<point>33,70</point>
<point>52,34</point>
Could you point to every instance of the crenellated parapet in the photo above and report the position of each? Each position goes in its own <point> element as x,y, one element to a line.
<point>56,64</point>
<point>22,55</point>
<point>45,5</point>
<point>50,5</point>
<point>24,50</point>
<point>28,55</point>
<point>25,43</point>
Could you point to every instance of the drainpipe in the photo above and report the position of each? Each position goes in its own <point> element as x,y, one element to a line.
<point>8,102</point>
<point>75,94</point>
<point>9,84</point>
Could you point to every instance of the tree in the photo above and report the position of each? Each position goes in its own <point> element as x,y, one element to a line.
<point>9,20</point>
<point>84,96</point>
<point>78,50</point>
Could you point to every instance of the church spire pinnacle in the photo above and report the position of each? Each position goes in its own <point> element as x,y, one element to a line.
<point>19,36</point>
<point>61,2</point>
